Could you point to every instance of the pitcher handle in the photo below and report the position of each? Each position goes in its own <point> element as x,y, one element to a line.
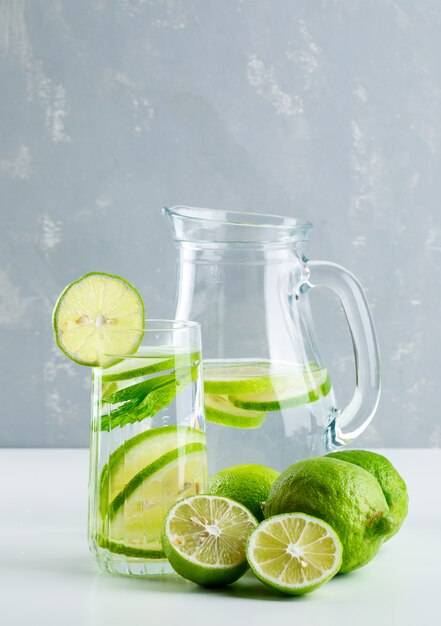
<point>351,421</point>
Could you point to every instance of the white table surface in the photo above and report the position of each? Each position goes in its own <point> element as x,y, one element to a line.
<point>47,575</point>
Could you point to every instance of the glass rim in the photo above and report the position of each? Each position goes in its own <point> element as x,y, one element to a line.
<point>160,325</point>
<point>157,324</point>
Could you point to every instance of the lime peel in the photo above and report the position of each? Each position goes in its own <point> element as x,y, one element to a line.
<point>247,484</point>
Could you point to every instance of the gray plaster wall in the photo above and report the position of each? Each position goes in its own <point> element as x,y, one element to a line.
<point>325,109</point>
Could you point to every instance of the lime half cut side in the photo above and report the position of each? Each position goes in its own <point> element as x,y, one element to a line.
<point>204,538</point>
<point>294,553</point>
<point>98,319</point>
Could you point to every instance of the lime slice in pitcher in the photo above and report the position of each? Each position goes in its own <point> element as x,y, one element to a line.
<point>219,410</point>
<point>91,313</point>
<point>236,376</point>
<point>300,386</point>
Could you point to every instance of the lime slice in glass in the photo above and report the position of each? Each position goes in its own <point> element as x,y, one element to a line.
<point>145,363</point>
<point>135,367</point>
<point>97,319</point>
<point>294,553</point>
<point>220,410</point>
<point>137,453</point>
<point>204,538</point>
<point>135,516</point>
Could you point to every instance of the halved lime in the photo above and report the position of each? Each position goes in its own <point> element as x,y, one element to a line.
<point>135,516</point>
<point>89,318</point>
<point>300,387</point>
<point>220,410</point>
<point>294,553</point>
<point>204,538</point>
<point>137,453</point>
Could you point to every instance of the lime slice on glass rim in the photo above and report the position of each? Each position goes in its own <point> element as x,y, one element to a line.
<point>204,538</point>
<point>294,552</point>
<point>91,313</point>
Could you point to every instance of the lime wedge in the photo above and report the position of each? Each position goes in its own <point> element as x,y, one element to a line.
<point>204,538</point>
<point>220,410</point>
<point>300,387</point>
<point>294,553</point>
<point>136,514</point>
<point>136,454</point>
<point>97,319</point>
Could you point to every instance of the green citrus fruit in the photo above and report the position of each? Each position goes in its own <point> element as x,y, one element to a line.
<point>204,538</point>
<point>247,484</point>
<point>342,494</point>
<point>98,319</point>
<point>294,553</point>
<point>392,484</point>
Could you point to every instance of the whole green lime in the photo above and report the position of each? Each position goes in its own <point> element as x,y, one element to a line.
<point>392,484</point>
<point>247,484</point>
<point>342,494</point>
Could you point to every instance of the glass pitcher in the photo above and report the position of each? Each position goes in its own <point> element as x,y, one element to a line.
<point>268,395</point>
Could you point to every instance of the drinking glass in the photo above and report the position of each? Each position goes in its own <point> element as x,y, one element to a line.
<point>147,446</point>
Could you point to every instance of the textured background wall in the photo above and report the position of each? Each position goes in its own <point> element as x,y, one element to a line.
<point>327,109</point>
